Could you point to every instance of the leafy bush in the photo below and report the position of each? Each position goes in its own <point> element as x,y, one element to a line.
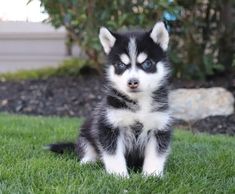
<point>82,19</point>
<point>202,38</point>
<point>201,31</point>
<point>72,67</point>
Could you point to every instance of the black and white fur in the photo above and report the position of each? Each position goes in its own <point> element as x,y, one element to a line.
<point>131,127</point>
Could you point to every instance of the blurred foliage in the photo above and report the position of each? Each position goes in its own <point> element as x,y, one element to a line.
<point>203,38</point>
<point>201,30</point>
<point>69,67</point>
<point>82,19</point>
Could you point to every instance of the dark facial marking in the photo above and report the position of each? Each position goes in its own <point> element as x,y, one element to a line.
<point>148,66</point>
<point>120,67</point>
<point>120,47</point>
<point>154,52</point>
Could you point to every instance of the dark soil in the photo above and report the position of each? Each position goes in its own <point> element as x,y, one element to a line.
<point>70,96</point>
<point>67,96</point>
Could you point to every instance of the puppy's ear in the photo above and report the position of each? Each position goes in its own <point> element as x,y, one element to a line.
<point>107,40</point>
<point>160,35</point>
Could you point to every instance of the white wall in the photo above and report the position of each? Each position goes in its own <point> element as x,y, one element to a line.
<point>25,45</point>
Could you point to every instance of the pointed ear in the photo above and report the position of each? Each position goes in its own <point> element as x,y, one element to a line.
<point>106,39</point>
<point>160,35</point>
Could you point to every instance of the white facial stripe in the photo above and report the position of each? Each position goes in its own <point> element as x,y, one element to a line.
<point>141,57</point>
<point>125,59</point>
<point>132,51</point>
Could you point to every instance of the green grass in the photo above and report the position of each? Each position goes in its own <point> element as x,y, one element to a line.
<point>198,164</point>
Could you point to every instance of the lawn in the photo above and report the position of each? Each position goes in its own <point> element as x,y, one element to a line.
<point>198,164</point>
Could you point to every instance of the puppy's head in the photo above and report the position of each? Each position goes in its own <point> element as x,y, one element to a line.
<point>136,60</point>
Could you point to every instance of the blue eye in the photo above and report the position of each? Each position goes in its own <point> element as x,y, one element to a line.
<point>147,65</point>
<point>121,65</point>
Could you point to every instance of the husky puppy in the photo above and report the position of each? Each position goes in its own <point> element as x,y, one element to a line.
<point>131,127</point>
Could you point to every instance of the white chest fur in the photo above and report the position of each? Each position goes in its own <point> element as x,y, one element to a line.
<point>150,120</point>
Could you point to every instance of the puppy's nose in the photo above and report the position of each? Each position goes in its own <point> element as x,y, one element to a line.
<point>133,83</point>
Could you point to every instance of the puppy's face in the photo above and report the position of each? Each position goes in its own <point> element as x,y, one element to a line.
<point>136,59</point>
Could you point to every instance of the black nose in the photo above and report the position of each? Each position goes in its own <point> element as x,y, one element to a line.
<point>133,83</point>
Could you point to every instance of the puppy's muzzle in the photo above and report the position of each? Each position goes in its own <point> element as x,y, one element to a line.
<point>133,83</point>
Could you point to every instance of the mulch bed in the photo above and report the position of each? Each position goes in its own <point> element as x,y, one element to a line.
<point>71,96</point>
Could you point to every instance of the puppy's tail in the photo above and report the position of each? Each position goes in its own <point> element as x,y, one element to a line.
<point>60,148</point>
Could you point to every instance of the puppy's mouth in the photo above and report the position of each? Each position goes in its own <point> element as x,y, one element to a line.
<point>134,90</point>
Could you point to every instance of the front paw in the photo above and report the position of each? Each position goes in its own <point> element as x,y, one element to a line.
<point>116,165</point>
<point>152,171</point>
<point>118,172</point>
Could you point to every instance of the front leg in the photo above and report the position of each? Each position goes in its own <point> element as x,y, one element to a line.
<point>115,163</point>
<point>156,152</point>
<point>112,149</point>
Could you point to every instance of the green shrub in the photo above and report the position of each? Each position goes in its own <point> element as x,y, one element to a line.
<point>202,32</point>
<point>82,19</point>
<point>71,67</point>
<point>202,38</point>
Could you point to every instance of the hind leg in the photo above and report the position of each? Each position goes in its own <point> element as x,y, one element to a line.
<point>86,152</point>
